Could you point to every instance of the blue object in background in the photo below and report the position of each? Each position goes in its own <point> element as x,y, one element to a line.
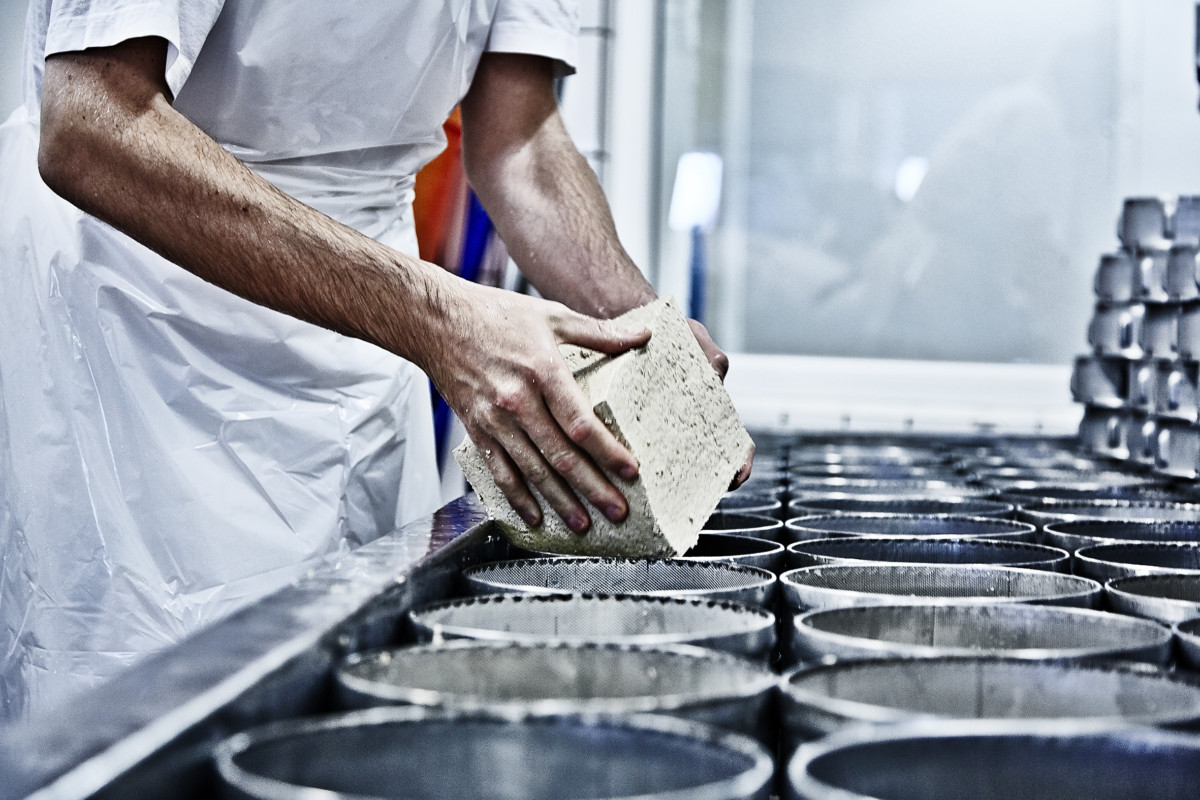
<point>698,270</point>
<point>695,202</point>
<point>476,235</point>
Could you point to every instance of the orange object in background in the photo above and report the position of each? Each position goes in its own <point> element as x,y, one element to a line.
<point>440,201</point>
<point>454,231</point>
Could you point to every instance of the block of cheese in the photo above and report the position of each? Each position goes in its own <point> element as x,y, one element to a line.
<point>665,403</point>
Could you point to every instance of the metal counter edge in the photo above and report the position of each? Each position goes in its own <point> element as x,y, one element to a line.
<point>270,660</point>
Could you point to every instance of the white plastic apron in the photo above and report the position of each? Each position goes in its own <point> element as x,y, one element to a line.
<point>170,452</point>
<point>173,452</point>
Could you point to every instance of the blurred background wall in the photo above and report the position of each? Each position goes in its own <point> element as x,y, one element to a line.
<point>920,179</point>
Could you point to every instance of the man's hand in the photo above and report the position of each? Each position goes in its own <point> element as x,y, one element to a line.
<point>715,355</point>
<point>720,362</point>
<point>501,371</point>
<point>545,199</point>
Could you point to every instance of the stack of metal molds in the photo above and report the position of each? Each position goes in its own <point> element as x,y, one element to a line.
<point>929,628</point>
<point>1139,383</point>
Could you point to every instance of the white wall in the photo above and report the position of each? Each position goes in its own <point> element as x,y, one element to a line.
<point>632,120</point>
<point>12,26</point>
<point>609,109</point>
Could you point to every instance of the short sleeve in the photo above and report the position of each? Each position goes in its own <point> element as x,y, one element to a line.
<point>547,28</point>
<point>185,24</point>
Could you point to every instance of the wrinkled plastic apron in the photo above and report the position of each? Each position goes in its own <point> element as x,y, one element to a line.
<point>170,452</point>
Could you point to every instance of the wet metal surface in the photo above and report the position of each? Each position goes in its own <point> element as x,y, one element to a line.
<point>153,732</point>
<point>546,679</point>
<point>859,549</point>
<point>712,580</point>
<point>821,700</point>
<point>1165,598</point>
<point>415,752</point>
<point>844,585</point>
<point>834,503</point>
<point>900,525</point>
<point>599,618</point>
<point>1015,630</point>
<point>994,760</point>
<point>267,662</point>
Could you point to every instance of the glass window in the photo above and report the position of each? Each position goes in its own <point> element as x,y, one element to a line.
<point>924,179</point>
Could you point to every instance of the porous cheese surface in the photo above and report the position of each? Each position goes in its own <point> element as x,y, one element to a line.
<point>666,403</point>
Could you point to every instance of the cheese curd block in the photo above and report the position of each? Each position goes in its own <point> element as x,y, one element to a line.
<point>666,403</point>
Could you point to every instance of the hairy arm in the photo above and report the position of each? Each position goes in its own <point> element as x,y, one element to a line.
<point>544,198</point>
<point>112,145</point>
<point>540,191</point>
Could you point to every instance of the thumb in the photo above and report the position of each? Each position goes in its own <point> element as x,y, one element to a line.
<point>603,335</point>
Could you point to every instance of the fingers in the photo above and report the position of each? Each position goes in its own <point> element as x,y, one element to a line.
<point>573,441</point>
<point>720,362</point>
<point>603,335</point>
<point>715,355</point>
<point>537,471</point>
<point>743,473</point>
<point>573,414</point>
<point>553,441</point>
<point>553,472</point>
<point>508,479</point>
<point>560,470</point>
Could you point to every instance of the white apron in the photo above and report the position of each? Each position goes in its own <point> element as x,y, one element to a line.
<point>170,452</point>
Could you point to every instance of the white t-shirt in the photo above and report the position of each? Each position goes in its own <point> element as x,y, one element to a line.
<point>338,104</point>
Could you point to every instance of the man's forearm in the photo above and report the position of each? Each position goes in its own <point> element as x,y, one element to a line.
<point>114,147</point>
<point>543,197</point>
